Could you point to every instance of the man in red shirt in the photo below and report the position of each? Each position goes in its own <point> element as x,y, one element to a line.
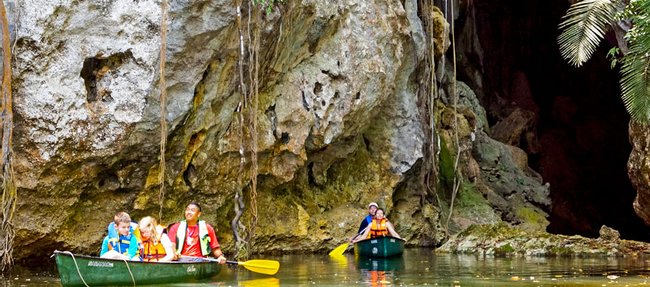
<point>194,238</point>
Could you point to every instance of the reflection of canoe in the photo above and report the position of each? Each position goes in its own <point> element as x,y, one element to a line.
<point>395,263</point>
<point>81,270</point>
<point>379,247</point>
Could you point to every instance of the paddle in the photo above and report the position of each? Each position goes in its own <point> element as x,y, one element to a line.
<point>269,267</point>
<point>338,251</point>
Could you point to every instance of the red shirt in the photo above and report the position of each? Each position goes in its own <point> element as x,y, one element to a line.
<point>192,245</point>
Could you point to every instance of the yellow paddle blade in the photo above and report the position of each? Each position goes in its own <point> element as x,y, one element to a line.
<point>338,251</point>
<point>266,282</point>
<point>340,260</point>
<point>269,267</point>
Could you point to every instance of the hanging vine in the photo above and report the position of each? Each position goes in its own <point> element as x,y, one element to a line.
<point>248,63</point>
<point>253,78</point>
<point>163,105</point>
<point>427,95</point>
<point>241,244</point>
<point>9,193</point>
<point>458,179</point>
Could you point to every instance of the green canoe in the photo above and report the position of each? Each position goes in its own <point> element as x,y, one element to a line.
<point>81,270</point>
<point>379,247</point>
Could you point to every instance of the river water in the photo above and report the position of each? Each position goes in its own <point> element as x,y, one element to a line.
<point>417,267</point>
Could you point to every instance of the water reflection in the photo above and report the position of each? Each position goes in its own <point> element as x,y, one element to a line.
<point>265,282</point>
<point>380,264</point>
<point>417,267</point>
<point>379,271</point>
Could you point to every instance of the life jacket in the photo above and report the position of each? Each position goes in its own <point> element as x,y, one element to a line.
<point>378,228</point>
<point>120,244</point>
<point>204,237</point>
<point>151,251</point>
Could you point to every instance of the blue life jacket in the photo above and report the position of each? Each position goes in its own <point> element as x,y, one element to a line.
<point>120,244</point>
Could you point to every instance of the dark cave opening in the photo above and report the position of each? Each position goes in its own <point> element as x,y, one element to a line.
<point>581,144</point>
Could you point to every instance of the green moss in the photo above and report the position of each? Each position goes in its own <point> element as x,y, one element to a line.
<point>446,164</point>
<point>560,251</point>
<point>504,250</point>
<point>500,230</point>
<point>531,217</point>
<point>469,196</point>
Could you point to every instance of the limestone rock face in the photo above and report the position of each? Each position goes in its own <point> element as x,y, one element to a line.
<point>638,167</point>
<point>338,124</point>
<point>337,117</point>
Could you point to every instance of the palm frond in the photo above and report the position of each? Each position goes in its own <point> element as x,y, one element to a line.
<point>583,27</point>
<point>635,81</point>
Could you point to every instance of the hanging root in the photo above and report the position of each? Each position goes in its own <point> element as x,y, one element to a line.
<point>9,193</point>
<point>163,106</point>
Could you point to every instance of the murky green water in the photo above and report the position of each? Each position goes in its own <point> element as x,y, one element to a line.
<point>417,267</point>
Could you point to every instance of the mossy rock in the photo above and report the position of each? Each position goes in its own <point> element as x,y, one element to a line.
<point>504,250</point>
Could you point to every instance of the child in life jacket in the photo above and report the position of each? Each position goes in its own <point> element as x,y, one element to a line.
<point>156,245</point>
<point>379,227</point>
<point>123,244</point>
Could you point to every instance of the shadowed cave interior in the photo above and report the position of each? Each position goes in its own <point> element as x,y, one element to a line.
<point>580,143</point>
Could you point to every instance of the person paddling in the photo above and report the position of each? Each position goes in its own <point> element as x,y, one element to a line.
<point>194,238</point>
<point>372,208</point>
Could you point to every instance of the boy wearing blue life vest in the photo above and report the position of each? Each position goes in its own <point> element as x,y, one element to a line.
<point>112,231</point>
<point>123,244</point>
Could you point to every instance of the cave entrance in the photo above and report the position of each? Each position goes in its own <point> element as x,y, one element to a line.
<point>581,144</point>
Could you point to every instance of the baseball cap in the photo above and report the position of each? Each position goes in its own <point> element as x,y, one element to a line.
<point>373,203</point>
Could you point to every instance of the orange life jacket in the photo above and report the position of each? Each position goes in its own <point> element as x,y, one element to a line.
<point>378,228</point>
<point>151,251</point>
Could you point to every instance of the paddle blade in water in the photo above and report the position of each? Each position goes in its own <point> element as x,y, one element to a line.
<point>265,282</point>
<point>338,251</point>
<point>269,267</point>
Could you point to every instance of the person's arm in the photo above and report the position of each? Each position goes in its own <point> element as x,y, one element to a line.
<point>104,246</point>
<point>171,235</point>
<point>364,235</point>
<point>391,229</point>
<point>134,251</point>
<point>214,245</point>
<point>169,248</point>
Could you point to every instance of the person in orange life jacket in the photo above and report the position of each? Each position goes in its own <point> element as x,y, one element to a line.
<point>372,208</point>
<point>156,245</point>
<point>380,226</point>
<point>193,237</point>
<point>125,245</point>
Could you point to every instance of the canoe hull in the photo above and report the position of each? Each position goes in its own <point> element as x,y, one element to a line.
<point>95,271</point>
<point>379,247</point>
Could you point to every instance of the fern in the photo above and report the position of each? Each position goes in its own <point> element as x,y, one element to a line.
<point>635,80</point>
<point>583,27</point>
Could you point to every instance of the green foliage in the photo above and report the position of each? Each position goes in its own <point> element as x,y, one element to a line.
<point>635,82</point>
<point>612,56</point>
<point>446,164</point>
<point>504,250</point>
<point>583,28</point>
<point>266,4</point>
